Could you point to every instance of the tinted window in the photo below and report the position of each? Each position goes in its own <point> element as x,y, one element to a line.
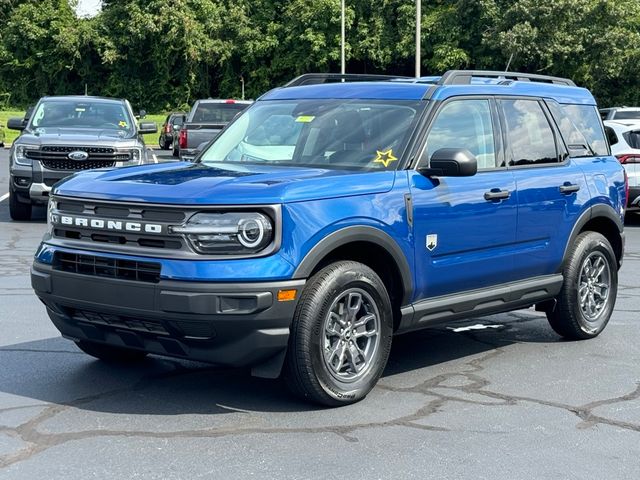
<point>575,141</point>
<point>586,118</point>
<point>627,115</point>
<point>79,114</point>
<point>611,135</point>
<point>465,124</point>
<point>531,138</point>
<point>632,138</point>
<point>217,112</point>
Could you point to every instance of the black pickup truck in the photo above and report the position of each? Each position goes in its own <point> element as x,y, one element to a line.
<point>205,120</point>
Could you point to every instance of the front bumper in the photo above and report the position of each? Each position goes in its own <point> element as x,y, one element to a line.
<point>234,324</point>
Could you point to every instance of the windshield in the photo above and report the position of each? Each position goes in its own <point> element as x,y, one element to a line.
<point>355,134</point>
<point>82,114</point>
<point>217,112</point>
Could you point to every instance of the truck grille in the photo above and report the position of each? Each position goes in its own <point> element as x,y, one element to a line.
<point>73,165</point>
<point>107,267</point>
<point>54,157</point>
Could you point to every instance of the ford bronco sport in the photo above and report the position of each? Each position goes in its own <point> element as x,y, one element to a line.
<point>329,217</point>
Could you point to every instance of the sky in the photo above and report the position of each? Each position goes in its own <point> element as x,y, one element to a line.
<point>88,8</point>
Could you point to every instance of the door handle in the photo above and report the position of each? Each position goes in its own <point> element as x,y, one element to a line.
<point>496,194</point>
<point>569,188</point>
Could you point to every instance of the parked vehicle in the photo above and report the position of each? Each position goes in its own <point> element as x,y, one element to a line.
<point>624,138</point>
<point>168,132</point>
<point>620,113</point>
<point>327,218</point>
<point>2,136</point>
<point>67,134</point>
<point>205,120</point>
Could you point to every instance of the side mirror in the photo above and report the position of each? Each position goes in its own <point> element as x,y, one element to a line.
<point>451,162</point>
<point>142,113</point>
<point>147,127</point>
<point>176,126</point>
<point>16,124</point>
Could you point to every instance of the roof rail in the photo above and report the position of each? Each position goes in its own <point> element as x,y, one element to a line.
<point>463,77</point>
<point>316,78</point>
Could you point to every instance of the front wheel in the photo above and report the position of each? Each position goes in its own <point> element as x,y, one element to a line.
<point>588,295</point>
<point>340,336</point>
<point>109,353</point>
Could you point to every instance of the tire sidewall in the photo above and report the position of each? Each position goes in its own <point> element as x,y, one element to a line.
<point>593,242</point>
<point>348,392</point>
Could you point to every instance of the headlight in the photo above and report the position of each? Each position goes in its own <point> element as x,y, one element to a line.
<point>232,233</point>
<point>20,154</point>
<point>135,156</point>
<point>50,209</point>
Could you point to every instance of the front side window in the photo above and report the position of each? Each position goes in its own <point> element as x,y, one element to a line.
<point>68,113</point>
<point>352,134</point>
<point>531,139</point>
<point>464,124</point>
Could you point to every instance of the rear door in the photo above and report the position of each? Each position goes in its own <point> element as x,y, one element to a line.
<point>465,227</point>
<point>551,187</point>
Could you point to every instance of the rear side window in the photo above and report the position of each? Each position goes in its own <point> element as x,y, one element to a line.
<point>611,135</point>
<point>627,115</point>
<point>219,113</point>
<point>576,143</point>
<point>633,138</point>
<point>588,121</point>
<point>531,138</point>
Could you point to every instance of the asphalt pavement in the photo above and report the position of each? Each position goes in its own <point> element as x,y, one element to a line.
<point>497,397</point>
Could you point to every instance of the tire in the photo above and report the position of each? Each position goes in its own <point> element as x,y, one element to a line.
<point>310,371</point>
<point>176,151</point>
<point>579,320</point>
<point>111,354</point>
<point>167,145</point>
<point>17,210</point>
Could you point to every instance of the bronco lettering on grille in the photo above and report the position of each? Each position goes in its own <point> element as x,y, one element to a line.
<point>104,224</point>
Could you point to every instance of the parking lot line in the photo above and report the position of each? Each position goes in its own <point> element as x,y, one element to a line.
<point>4,197</point>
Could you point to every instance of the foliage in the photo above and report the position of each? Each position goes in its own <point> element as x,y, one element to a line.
<point>161,54</point>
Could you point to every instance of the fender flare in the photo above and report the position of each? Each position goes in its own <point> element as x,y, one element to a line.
<point>595,211</point>
<point>358,234</point>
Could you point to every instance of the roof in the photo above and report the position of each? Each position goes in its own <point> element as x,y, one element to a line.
<point>436,88</point>
<point>83,98</point>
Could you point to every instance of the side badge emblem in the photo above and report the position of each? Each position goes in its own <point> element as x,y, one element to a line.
<point>432,242</point>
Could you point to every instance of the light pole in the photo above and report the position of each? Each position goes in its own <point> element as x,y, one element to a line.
<point>418,28</point>
<point>342,68</point>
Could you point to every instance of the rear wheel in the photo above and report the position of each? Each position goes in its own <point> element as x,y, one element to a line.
<point>175,148</point>
<point>17,209</point>
<point>340,336</point>
<point>109,353</point>
<point>588,295</point>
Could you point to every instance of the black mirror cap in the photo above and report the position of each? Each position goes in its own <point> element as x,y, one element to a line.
<point>16,124</point>
<point>451,162</point>
<point>142,113</point>
<point>147,127</point>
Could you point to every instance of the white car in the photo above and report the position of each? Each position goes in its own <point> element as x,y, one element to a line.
<point>624,138</point>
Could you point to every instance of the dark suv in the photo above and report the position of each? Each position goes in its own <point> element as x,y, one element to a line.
<point>327,218</point>
<point>64,135</point>
<point>168,139</point>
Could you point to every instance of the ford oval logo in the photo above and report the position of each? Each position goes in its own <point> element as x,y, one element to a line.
<point>78,155</point>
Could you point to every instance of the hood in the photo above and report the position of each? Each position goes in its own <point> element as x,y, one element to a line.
<point>221,184</point>
<point>77,136</point>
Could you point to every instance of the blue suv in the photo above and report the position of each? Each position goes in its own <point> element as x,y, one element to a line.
<point>337,212</point>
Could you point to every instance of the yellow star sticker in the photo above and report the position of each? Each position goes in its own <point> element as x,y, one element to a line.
<point>123,124</point>
<point>385,158</point>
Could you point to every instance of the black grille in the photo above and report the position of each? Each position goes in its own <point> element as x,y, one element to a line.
<point>107,267</point>
<point>55,157</point>
<point>73,165</point>
<point>118,321</point>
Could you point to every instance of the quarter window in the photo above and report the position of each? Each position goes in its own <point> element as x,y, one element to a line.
<point>531,138</point>
<point>465,124</point>
<point>586,118</point>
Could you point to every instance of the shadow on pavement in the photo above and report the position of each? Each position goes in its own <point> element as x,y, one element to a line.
<point>53,370</point>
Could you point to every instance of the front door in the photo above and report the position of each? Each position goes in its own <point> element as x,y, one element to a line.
<point>465,227</point>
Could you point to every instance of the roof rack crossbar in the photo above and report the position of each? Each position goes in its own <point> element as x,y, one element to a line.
<point>463,77</point>
<point>316,78</point>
